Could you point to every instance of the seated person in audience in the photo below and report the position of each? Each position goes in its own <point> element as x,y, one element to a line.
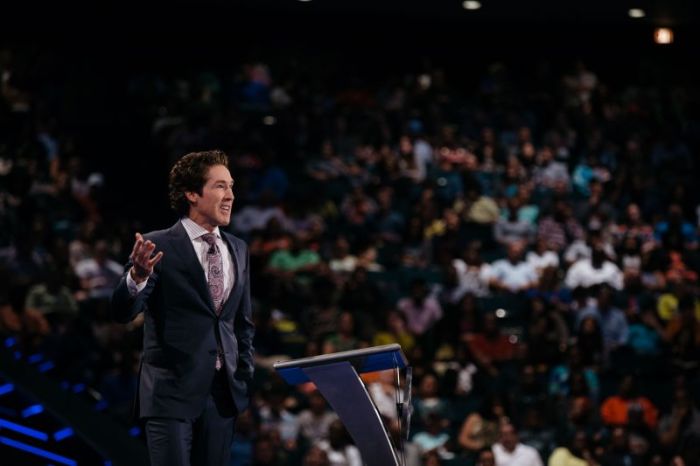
<point>344,339</point>
<point>512,274</point>
<point>421,309</point>
<point>47,304</point>
<point>276,417</point>
<point>316,457</point>
<point>583,248</point>
<point>382,389</point>
<point>682,423</point>
<point>266,453</point>
<point>674,232</point>
<point>560,228</point>
<point>616,410</point>
<point>51,298</point>
<point>510,229</point>
<point>481,428</point>
<point>509,451</point>
<point>596,270</point>
<point>645,334</point>
<point>428,399</point>
<point>578,413</point>
<point>542,257</point>
<point>617,450</point>
<point>339,447</point>
<point>683,334</point>
<point>395,332</point>
<point>536,429</point>
<point>485,457</point>
<point>298,258</point>
<point>315,421</point>
<point>561,375</point>
<point>472,271</point>
<point>342,261</point>
<point>577,453</point>
<point>634,226</point>
<point>612,320</point>
<point>99,274</point>
<point>490,347</point>
<point>254,217</point>
<point>272,238</point>
<point>434,437</point>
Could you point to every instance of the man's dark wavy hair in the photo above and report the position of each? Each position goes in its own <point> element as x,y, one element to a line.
<point>188,175</point>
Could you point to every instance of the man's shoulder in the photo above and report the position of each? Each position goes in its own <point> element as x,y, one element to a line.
<point>498,449</point>
<point>157,234</point>
<point>234,240</point>
<point>527,449</point>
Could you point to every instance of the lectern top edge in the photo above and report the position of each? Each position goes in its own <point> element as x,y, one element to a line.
<point>376,358</point>
<point>344,356</point>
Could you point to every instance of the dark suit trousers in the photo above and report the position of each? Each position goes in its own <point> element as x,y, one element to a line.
<point>203,441</point>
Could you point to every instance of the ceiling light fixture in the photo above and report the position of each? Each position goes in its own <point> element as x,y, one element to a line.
<point>663,36</point>
<point>471,5</point>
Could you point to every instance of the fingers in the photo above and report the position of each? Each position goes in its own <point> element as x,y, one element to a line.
<point>137,246</point>
<point>142,252</point>
<point>155,260</point>
<point>145,252</point>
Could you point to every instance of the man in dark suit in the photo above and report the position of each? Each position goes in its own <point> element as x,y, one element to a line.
<point>191,281</point>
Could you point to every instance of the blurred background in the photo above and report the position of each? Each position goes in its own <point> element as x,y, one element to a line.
<point>507,189</point>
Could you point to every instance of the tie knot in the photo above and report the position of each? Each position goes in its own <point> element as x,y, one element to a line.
<point>210,239</point>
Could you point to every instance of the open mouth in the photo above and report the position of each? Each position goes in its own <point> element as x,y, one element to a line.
<point>226,208</point>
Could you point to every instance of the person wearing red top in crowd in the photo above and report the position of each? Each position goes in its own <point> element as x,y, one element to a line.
<point>617,409</point>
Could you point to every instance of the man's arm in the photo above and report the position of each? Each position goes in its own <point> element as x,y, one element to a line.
<point>125,303</point>
<point>243,326</point>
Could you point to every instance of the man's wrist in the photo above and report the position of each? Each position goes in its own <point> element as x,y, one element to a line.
<point>136,278</point>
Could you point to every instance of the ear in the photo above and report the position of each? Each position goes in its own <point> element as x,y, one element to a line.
<point>191,197</point>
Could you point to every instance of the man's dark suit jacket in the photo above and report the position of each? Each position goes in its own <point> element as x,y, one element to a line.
<point>182,329</point>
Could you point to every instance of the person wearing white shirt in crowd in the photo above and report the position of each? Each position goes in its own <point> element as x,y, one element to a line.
<point>340,451</point>
<point>513,273</point>
<point>315,421</point>
<point>99,274</point>
<point>582,249</point>
<point>472,272</point>
<point>542,257</point>
<point>383,393</point>
<point>595,270</point>
<point>510,452</point>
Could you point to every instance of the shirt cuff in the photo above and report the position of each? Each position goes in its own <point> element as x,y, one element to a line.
<point>134,288</point>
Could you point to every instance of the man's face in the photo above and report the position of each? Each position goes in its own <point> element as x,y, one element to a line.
<point>633,212</point>
<point>515,252</point>
<point>486,458</point>
<point>213,207</point>
<point>509,438</point>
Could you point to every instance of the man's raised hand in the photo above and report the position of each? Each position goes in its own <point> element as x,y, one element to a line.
<point>143,259</point>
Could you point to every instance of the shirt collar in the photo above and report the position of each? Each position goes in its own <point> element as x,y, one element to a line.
<point>195,231</point>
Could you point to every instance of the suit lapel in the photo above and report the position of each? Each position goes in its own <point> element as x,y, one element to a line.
<point>183,246</point>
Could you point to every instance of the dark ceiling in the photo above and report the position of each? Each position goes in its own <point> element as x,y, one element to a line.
<point>667,12</point>
<point>246,27</point>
